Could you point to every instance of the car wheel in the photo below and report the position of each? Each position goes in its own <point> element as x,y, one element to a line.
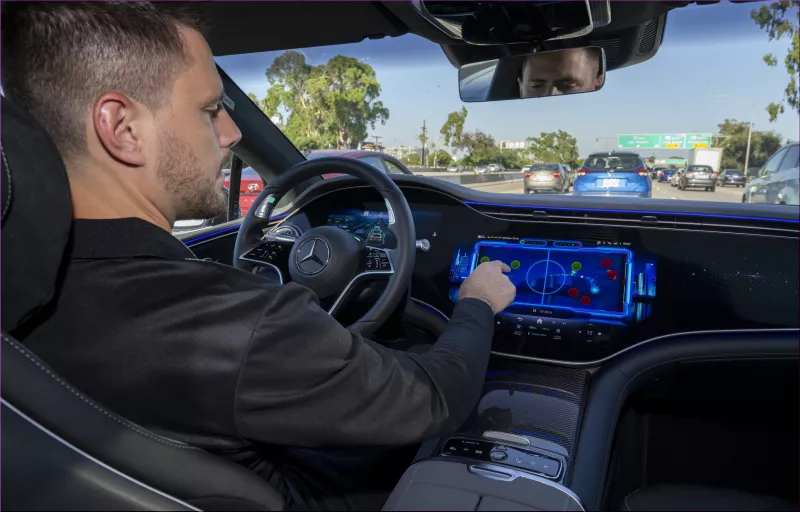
<point>527,191</point>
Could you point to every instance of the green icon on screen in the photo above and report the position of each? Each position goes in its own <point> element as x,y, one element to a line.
<point>484,259</point>
<point>576,266</point>
<point>515,264</point>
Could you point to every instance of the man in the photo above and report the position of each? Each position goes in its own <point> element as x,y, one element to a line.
<point>194,350</point>
<point>561,72</point>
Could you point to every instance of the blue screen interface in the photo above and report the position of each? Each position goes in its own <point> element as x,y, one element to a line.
<point>575,278</point>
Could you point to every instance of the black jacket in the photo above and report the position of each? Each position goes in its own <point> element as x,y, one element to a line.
<point>219,358</point>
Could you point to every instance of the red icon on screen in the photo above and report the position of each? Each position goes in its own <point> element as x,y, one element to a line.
<point>612,274</point>
<point>605,262</point>
<point>586,300</point>
<point>573,292</point>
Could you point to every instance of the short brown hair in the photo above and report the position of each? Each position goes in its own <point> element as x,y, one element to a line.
<point>58,58</point>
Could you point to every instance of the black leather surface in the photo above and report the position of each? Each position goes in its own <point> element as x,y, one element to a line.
<point>680,497</point>
<point>37,213</point>
<point>44,473</point>
<point>182,471</point>
<point>611,386</point>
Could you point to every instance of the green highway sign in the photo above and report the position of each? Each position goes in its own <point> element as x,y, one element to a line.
<point>664,141</point>
<point>637,141</point>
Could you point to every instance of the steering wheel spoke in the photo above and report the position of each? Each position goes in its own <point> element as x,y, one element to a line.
<point>272,252</point>
<point>376,263</point>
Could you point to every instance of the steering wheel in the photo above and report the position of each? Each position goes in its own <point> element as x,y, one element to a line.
<point>326,259</point>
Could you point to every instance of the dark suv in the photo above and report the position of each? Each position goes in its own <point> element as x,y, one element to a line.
<point>733,177</point>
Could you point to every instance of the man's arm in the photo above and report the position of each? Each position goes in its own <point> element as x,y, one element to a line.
<point>308,381</point>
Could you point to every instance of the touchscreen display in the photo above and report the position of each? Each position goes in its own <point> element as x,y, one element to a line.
<point>581,279</point>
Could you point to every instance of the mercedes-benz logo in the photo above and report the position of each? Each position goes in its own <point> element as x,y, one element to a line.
<point>312,256</point>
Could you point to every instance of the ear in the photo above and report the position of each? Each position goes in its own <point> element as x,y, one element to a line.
<point>120,125</point>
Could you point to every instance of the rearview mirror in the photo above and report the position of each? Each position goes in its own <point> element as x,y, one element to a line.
<point>536,75</point>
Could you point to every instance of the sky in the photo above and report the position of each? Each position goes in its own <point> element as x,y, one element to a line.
<point>708,68</point>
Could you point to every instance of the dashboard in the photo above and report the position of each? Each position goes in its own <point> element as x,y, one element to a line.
<point>591,283</point>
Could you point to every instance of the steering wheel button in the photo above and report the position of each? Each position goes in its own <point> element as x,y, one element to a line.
<point>498,456</point>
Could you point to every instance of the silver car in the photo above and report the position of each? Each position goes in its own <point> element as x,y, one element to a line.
<point>496,168</point>
<point>549,177</point>
<point>777,181</point>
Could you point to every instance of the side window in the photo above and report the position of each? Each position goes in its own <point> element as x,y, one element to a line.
<point>374,161</point>
<point>792,159</point>
<point>393,167</point>
<point>183,226</point>
<point>772,164</point>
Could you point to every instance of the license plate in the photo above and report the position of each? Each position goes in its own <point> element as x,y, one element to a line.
<point>700,176</point>
<point>542,177</point>
<point>610,183</point>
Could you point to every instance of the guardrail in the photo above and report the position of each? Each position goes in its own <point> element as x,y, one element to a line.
<point>469,178</point>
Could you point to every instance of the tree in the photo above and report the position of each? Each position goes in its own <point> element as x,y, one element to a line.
<point>559,147</point>
<point>328,105</point>
<point>439,158</point>
<point>412,159</point>
<point>651,160</point>
<point>453,128</point>
<point>734,145</point>
<point>481,148</point>
<point>779,19</point>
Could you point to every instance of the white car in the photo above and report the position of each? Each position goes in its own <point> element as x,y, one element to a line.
<point>496,168</point>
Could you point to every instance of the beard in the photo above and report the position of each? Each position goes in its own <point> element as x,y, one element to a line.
<point>184,177</point>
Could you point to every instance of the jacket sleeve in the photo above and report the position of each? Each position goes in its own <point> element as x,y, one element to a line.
<point>308,381</point>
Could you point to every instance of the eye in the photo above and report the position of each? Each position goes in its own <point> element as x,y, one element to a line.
<point>215,110</point>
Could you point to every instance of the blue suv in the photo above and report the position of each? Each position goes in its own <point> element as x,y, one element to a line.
<point>613,173</point>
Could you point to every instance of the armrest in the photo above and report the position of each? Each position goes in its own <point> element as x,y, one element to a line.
<point>442,485</point>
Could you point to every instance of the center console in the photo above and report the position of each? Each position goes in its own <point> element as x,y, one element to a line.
<point>514,452</point>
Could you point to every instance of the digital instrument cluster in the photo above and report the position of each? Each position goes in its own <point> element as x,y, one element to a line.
<point>568,291</point>
<point>372,225</point>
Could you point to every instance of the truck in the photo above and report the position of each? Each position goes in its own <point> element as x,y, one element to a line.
<point>706,156</point>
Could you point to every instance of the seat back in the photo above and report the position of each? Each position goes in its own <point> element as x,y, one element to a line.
<point>62,450</point>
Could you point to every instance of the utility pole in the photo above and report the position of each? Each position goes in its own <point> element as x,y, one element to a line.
<point>377,141</point>
<point>423,138</point>
<point>749,135</point>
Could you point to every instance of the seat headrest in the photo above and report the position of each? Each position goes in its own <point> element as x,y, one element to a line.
<point>36,216</point>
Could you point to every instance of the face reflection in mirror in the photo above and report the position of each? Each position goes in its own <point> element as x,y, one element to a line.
<point>561,72</point>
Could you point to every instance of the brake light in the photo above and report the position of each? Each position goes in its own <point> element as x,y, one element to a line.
<point>583,171</point>
<point>528,175</point>
<point>556,175</point>
<point>713,175</point>
<point>643,173</point>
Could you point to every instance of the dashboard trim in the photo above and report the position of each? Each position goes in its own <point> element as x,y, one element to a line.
<point>646,212</point>
<point>589,364</point>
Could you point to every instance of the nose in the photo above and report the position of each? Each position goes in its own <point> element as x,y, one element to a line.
<point>229,133</point>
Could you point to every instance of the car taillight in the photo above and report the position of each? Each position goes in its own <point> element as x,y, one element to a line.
<point>556,175</point>
<point>688,175</point>
<point>583,171</point>
<point>528,175</point>
<point>713,175</point>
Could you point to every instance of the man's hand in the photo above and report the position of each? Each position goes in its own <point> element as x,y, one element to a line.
<point>489,284</point>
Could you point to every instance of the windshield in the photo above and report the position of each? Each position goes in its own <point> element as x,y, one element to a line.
<point>400,96</point>
<point>545,167</point>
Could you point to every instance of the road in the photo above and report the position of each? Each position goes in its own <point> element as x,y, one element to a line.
<point>660,191</point>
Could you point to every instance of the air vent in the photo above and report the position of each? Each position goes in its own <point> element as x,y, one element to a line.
<point>611,47</point>
<point>649,219</point>
<point>648,40</point>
